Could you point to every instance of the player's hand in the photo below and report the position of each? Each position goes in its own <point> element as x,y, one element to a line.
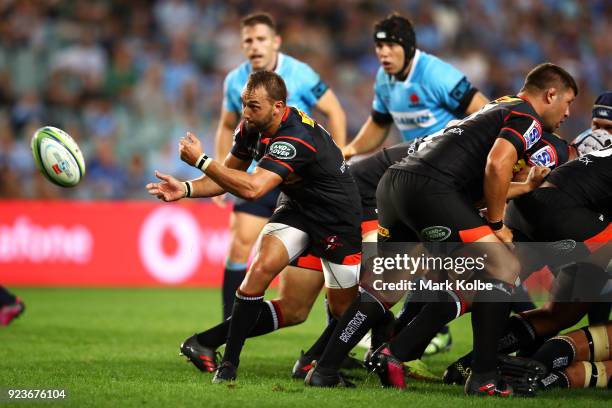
<point>536,176</point>
<point>170,189</point>
<point>504,234</point>
<point>348,151</point>
<point>190,149</point>
<point>220,200</point>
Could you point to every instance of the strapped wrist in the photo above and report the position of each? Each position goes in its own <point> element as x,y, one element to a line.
<point>203,162</point>
<point>188,189</point>
<point>497,225</point>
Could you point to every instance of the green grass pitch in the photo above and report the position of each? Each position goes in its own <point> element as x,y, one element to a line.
<point>119,348</point>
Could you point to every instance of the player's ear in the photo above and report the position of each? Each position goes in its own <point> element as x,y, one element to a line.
<point>279,106</point>
<point>551,93</point>
<point>277,42</point>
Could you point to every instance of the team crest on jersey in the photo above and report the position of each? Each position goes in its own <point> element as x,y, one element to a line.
<point>533,134</point>
<point>282,150</point>
<point>544,157</point>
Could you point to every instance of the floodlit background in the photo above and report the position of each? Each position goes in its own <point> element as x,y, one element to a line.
<point>128,78</point>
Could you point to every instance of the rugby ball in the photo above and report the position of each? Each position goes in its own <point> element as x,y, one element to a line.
<point>57,156</point>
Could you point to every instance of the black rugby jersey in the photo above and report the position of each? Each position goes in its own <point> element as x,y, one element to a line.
<point>315,176</point>
<point>458,159</point>
<point>368,172</point>
<point>588,180</point>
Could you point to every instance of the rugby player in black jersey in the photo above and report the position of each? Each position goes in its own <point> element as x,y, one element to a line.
<point>431,194</point>
<point>548,153</point>
<point>320,216</point>
<point>574,205</point>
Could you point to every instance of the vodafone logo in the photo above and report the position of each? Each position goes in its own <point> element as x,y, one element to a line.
<point>189,244</point>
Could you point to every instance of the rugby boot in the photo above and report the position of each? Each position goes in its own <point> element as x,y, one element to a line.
<point>204,358</point>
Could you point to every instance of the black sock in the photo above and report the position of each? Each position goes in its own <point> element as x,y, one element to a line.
<point>315,351</point>
<point>412,306</point>
<point>521,301</point>
<point>328,313</point>
<point>352,326</point>
<point>233,275</point>
<point>382,332</point>
<point>267,322</point>
<point>556,379</point>
<point>247,308</point>
<point>489,319</point>
<point>411,342</point>
<point>556,354</point>
<point>519,333</point>
<point>599,313</point>
<point>6,297</point>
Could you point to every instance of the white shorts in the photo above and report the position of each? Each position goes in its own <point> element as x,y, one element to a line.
<point>296,241</point>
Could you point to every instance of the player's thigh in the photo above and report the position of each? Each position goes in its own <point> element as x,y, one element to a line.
<point>298,289</point>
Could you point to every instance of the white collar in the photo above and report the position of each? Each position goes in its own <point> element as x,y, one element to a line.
<point>415,61</point>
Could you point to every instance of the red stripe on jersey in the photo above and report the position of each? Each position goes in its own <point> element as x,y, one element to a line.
<point>310,262</point>
<point>474,234</point>
<point>354,259</point>
<point>599,240</point>
<point>279,162</point>
<point>518,134</point>
<point>528,115</point>
<point>265,141</point>
<point>369,226</point>
<point>297,140</point>
<point>286,114</point>
<point>554,152</point>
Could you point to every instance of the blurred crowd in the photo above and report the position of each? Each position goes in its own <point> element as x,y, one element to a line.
<point>127,79</point>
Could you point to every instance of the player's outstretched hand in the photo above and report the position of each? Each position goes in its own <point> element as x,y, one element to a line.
<point>170,189</point>
<point>190,149</point>
<point>536,176</point>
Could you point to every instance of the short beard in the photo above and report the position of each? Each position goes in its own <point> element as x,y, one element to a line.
<point>260,127</point>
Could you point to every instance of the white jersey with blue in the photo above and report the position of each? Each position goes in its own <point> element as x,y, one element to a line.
<point>304,86</point>
<point>433,93</point>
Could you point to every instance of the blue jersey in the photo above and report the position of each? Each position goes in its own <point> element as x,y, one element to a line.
<point>433,93</point>
<point>304,86</point>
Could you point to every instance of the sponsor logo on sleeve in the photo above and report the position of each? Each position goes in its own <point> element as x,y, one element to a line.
<point>544,157</point>
<point>282,150</point>
<point>533,134</point>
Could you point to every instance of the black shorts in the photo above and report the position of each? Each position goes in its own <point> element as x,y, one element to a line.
<point>552,215</point>
<point>413,208</point>
<point>339,244</point>
<point>262,207</point>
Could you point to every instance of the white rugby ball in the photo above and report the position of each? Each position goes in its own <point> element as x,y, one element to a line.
<point>57,156</point>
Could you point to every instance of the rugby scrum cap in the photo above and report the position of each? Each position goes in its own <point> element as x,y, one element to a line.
<point>603,106</point>
<point>397,29</point>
